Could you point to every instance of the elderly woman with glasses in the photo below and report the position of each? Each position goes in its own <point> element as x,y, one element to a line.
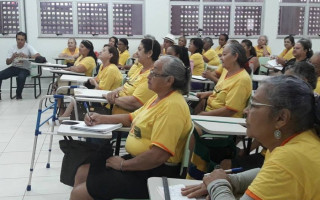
<point>284,116</point>
<point>158,135</point>
<point>86,62</point>
<point>134,93</point>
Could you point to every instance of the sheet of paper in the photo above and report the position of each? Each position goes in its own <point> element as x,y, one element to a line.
<point>175,192</point>
<point>198,77</point>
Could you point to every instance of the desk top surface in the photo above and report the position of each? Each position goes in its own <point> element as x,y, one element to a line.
<point>80,92</point>
<point>79,79</point>
<point>67,131</point>
<point>222,128</point>
<point>230,120</point>
<point>50,65</point>
<point>61,71</point>
<point>259,78</point>
<point>155,182</point>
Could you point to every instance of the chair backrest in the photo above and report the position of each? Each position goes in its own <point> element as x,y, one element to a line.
<point>186,154</point>
<point>262,62</point>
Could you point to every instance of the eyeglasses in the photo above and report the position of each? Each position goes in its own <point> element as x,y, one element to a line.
<point>256,104</point>
<point>153,74</point>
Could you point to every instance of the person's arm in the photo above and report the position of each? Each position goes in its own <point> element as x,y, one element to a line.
<point>11,59</point>
<point>79,68</point>
<point>129,103</point>
<point>205,59</point>
<point>224,112</point>
<point>96,119</point>
<point>111,96</point>
<point>210,75</point>
<point>147,160</point>
<point>265,52</point>
<point>203,95</point>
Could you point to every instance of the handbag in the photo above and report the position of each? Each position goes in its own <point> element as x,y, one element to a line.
<point>77,153</point>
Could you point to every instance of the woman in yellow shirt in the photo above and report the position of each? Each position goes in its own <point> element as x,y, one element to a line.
<point>158,135</point>
<point>109,77</point>
<point>209,55</point>
<point>123,51</point>
<point>195,48</point>
<point>286,54</point>
<point>71,53</point>
<point>86,62</point>
<point>262,49</point>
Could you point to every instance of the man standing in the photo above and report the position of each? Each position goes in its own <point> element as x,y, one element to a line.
<point>19,67</point>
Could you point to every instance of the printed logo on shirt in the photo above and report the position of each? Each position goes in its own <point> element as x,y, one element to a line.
<point>137,132</point>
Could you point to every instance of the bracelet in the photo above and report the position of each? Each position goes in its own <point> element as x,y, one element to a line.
<point>121,165</point>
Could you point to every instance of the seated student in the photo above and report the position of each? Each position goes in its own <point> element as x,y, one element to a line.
<point>315,60</point>
<point>208,54</point>
<point>19,68</point>
<point>113,41</point>
<point>168,41</point>
<point>71,53</point>
<point>180,52</point>
<point>302,52</point>
<point>182,42</point>
<point>109,77</point>
<point>251,57</point>
<point>262,49</point>
<point>86,62</point>
<point>286,54</point>
<point>159,131</point>
<point>195,48</point>
<point>303,70</point>
<point>134,93</point>
<point>228,99</point>
<point>223,39</point>
<point>123,50</point>
<point>283,116</point>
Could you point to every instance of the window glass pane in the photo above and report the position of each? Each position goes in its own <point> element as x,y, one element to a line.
<point>56,17</point>
<point>314,21</point>
<point>9,17</point>
<point>217,0</point>
<point>93,18</point>
<point>293,1</point>
<point>184,20</point>
<point>127,19</point>
<point>291,20</point>
<point>247,20</point>
<point>249,0</point>
<point>216,20</point>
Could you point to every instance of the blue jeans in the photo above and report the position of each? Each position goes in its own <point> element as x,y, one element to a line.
<point>21,75</point>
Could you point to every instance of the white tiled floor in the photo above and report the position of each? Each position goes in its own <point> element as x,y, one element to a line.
<point>17,127</point>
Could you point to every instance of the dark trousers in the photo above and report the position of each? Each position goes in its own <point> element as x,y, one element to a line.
<point>15,71</point>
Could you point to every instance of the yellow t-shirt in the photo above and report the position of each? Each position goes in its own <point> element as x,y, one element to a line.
<point>165,125</point>
<point>67,51</point>
<point>88,62</point>
<point>136,86</point>
<point>212,56</point>
<point>290,171</point>
<point>134,67</point>
<point>198,64</point>
<point>317,90</point>
<point>260,51</point>
<point>219,50</point>
<point>109,77</point>
<point>287,55</point>
<point>232,92</point>
<point>123,57</point>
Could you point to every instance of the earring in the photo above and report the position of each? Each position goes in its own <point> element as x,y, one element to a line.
<point>277,134</point>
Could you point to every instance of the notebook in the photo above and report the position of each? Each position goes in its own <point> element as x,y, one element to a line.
<point>79,92</point>
<point>199,78</point>
<point>274,64</point>
<point>100,128</point>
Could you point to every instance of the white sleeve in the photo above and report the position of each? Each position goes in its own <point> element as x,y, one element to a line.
<point>32,50</point>
<point>11,51</point>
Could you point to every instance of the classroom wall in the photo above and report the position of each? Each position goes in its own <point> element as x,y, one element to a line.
<point>157,23</point>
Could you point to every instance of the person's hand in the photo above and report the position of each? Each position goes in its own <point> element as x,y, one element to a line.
<point>15,55</point>
<point>216,174</point>
<point>194,191</point>
<point>67,68</point>
<point>111,96</point>
<point>23,55</point>
<point>202,95</point>
<point>208,74</point>
<point>114,162</point>
<point>92,81</point>
<point>93,119</point>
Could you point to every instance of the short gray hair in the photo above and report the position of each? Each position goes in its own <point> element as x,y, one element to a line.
<point>173,66</point>
<point>266,37</point>
<point>292,93</point>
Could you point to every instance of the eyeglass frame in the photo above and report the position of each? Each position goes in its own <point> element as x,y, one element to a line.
<point>251,103</point>
<point>153,74</point>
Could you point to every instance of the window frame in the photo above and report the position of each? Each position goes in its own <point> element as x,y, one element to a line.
<point>75,18</point>
<point>21,19</point>
<point>232,4</point>
<point>306,6</point>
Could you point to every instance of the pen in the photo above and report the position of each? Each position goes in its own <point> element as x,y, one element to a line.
<point>233,170</point>
<point>86,106</point>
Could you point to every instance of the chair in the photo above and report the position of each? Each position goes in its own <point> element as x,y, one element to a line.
<point>262,69</point>
<point>186,155</point>
<point>35,74</point>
